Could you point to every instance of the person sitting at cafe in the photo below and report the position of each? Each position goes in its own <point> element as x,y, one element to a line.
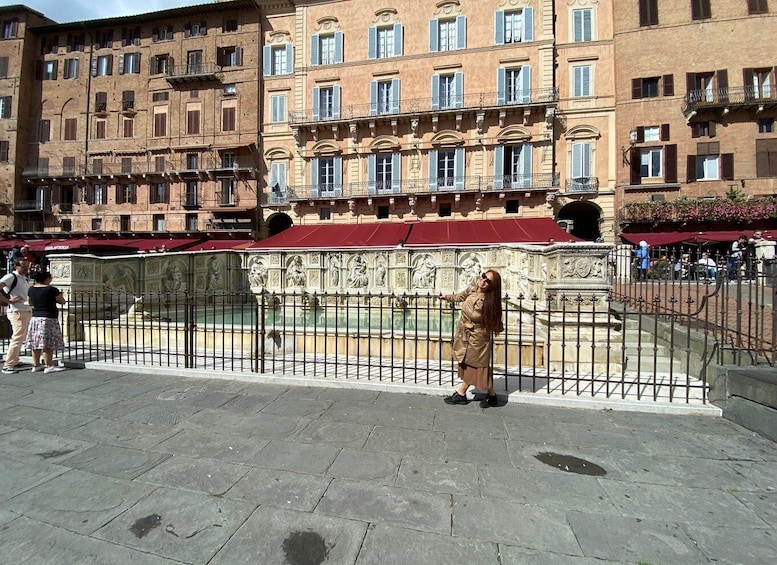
<point>706,267</point>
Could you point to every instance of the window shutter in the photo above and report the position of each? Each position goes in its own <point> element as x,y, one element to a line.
<point>315,57</point>
<point>314,177</point>
<point>640,134</point>
<point>289,58</point>
<point>499,27</point>
<point>121,63</point>
<point>690,82</point>
<point>396,172</point>
<point>4,150</point>
<point>155,34</point>
<point>695,131</point>
<point>267,60</point>
<point>203,28</point>
<point>636,88</point>
<point>395,92</point>
<point>372,43</point>
<point>711,128</point>
<point>435,92</point>
<point>528,24</point>
<point>123,37</point>
<point>3,67</point>
<point>461,32</point>
<point>239,56</point>
<point>110,65</point>
<point>458,89</point>
<point>634,163</point>
<point>663,133</point>
<point>727,166</point>
<point>670,163</point>
<point>372,161</point>
<point>722,78</point>
<point>499,167</point>
<point>433,170</point>
<point>338,163</point>
<point>458,168</point>
<point>339,47</point>
<point>668,81</point>
<point>316,103</point>
<point>336,101</point>
<point>187,30</point>
<point>526,84</point>
<point>761,158</point>
<point>373,97</point>
<point>501,86</point>
<point>434,40</point>
<point>690,168</point>
<point>526,165</point>
<point>398,38</point>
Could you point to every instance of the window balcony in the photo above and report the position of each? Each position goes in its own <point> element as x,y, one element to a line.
<point>104,170</point>
<point>191,200</point>
<point>32,206</point>
<point>539,97</point>
<point>582,185</point>
<point>732,97</point>
<point>189,75</point>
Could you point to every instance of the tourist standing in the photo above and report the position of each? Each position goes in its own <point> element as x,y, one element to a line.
<point>737,257</point>
<point>643,260</point>
<point>481,318</point>
<point>45,334</point>
<point>15,287</point>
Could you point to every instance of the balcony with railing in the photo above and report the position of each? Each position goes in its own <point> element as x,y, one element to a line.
<point>760,98</point>
<point>191,199</point>
<point>32,206</point>
<point>188,74</point>
<point>215,166</point>
<point>541,182</point>
<point>97,170</point>
<point>582,185</point>
<point>441,104</point>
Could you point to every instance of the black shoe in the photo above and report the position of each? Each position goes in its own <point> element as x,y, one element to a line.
<point>489,400</point>
<point>456,398</point>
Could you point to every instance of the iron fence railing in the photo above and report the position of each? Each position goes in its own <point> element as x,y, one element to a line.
<point>728,96</point>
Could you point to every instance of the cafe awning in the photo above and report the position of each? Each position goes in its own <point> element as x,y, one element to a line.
<point>659,239</point>
<point>336,236</point>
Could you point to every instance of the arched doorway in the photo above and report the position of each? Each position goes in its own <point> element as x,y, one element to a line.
<point>278,223</point>
<point>584,218</point>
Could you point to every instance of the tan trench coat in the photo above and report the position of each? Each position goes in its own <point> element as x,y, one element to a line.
<point>472,342</point>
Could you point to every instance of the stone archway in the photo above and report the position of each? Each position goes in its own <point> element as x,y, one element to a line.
<point>584,217</point>
<point>278,223</point>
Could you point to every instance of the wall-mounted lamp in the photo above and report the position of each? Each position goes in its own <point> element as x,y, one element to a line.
<point>625,150</point>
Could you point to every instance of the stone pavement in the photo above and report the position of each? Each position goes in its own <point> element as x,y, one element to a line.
<point>116,467</point>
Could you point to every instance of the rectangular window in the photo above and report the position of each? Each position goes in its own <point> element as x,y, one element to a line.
<point>326,103</point>
<point>70,68</point>
<point>325,214</point>
<point>385,97</point>
<point>446,169</point>
<point>162,34</point>
<point>129,64</point>
<point>385,44</point>
<point>10,28</point>
<point>582,25</point>
<point>227,196</point>
<point>97,166</point>
<point>229,56</point>
<point>98,194</point>
<point>100,128</point>
<point>760,83</point>
<point>766,125</point>
<point>97,224</point>
<point>766,158</point>
<point>161,64</point>
<point>159,164</point>
<point>326,175</point>
<point>3,67</point>
<point>128,128</point>
<point>581,81</point>
<point>650,162</point>
<point>514,26</point>
<point>514,85</point>
<point>75,42</point>
<point>228,121</point>
<point>5,107</point>
<point>127,193</point>
<point>4,151</point>
<point>194,62</point>
<point>160,124</point>
<point>159,222</point>
<point>648,12</point>
<point>278,108</point>
<point>230,89</point>
<point>71,129</point>
<point>68,165</point>
<point>192,161</point>
<point>447,35</point>
<point>327,49</point>
<point>102,65</point>
<point>700,9</point>
<point>160,96</point>
<point>195,29</point>
<point>50,70</point>
<point>190,197</point>
<point>158,193</point>
<point>229,26</point>
<point>645,87</point>
<point>279,61</point>
<point>126,165</point>
<point>44,131</point>
<point>192,223</point>
<point>228,160</point>
<point>193,122</point>
<point>125,222</point>
<point>652,133</point>
<point>757,6</point>
<point>127,100</point>
<point>447,97</point>
<point>707,167</point>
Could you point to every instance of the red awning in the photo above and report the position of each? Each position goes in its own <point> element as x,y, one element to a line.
<point>484,232</point>
<point>83,244</point>
<point>336,236</point>
<point>220,244</point>
<point>34,245</point>
<point>153,245</point>
<point>658,239</point>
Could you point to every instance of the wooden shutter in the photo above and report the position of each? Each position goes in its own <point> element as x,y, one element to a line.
<point>663,132</point>
<point>670,163</point>
<point>690,82</point>
<point>727,166</point>
<point>695,131</point>
<point>634,163</point>
<point>4,150</point>
<point>636,88</point>
<point>711,128</point>
<point>690,168</point>
<point>668,81</point>
<point>3,67</point>
<point>228,119</point>
<point>640,134</point>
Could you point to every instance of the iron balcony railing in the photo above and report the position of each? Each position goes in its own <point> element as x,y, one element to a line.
<point>536,182</point>
<point>728,96</point>
<point>582,185</point>
<point>193,70</point>
<point>538,96</point>
<point>210,164</point>
<point>92,169</point>
<point>32,206</point>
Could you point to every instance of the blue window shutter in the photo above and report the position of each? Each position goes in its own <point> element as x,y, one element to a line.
<point>577,159</point>
<point>499,27</point>
<point>339,47</point>
<point>501,86</point>
<point>461,32</point>
<point>435,92</point>
<point>338,162</point>
<point>372,43</point>
<point>267,63</point>
<point>458,166</point>
<point>372,161</point>
<point>528,24</point>
<point>336,102</point>
<point>396,172</point>
<point>432,169</point>
<point>499,167</point>
<point>398,48</point>
<point>434,40</point>
<point>526,165</point>
<point>289,58</point>
<point>315,58</point>
<point>373,97</point>
<point>395,96</point>
<point>316,103</point>
<point>314,177</point>
<point>526,84</point>
<point>458,89</point>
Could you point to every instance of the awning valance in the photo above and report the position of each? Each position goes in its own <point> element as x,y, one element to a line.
<point>658,239</point>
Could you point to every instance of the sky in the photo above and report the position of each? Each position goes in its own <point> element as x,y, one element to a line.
<point>62,11</point>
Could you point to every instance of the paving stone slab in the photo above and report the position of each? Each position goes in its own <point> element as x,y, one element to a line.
<point>38,446</point>
<point>124,434</point>
<point>298,457</point>
<point>247,403</point>
<point>762,503</point>
<point>524,456</point>
<point>438,475</point>
<point>162,413</point>
<point>342,434</point>
<point>362,465</point>
<point>760,474</point>
<point>596,434</point>
<point>19,475</point>
<point>112,461</point>
<point>389,544</point>
<point>453,420</point>
<point>200,475</point>
<point>6,516</point>
<point>524,431</point>
<point>429,512</point>
<point>40,420</point>
<point>297,407</point>
<point>281,489</point>
<point>78,501</point>
<point>230,448</point>
<point>362,413</point>
<point>475,449</point>
<point>680,504</point>
<point>121,389</point>
<point>194,394</point>
<point>509,522</point>
<point>27,541</point>
<point>512,555</point>
<point>6,429</point>
<point>404,400</point>
<point>274,536</point>
<point>70,381</point>
<point>339,394</point>
<point>259,425</point>
<point>176,524</point>
<point>8,392</point>
<point>399,440</point>
<point>63,402</point>
<point>633,539</point>
<point>732,545</point>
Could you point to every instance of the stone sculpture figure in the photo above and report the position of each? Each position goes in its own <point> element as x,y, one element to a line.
<point>357,278</point>
<point>257,274</point>
<point>425,273</point>
<point>295,274</point>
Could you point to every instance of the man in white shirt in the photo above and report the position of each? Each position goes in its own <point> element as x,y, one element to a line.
<point>15,286</point>
<point>707,267</point>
